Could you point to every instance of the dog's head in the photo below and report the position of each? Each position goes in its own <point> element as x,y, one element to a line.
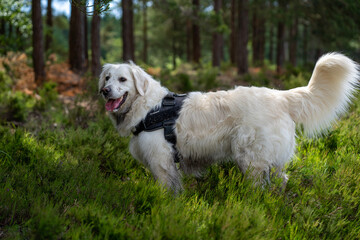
<point>121,84</point>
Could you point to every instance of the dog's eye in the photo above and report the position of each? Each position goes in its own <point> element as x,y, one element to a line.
<point>107,78</point>
<point>122,79</point>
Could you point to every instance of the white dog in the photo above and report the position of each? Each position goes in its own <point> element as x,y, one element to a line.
<point>254,127</point>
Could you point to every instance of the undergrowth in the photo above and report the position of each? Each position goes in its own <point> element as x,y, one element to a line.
<point>77,180</point>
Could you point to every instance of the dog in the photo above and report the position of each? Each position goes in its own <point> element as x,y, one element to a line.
<point>251,126</point>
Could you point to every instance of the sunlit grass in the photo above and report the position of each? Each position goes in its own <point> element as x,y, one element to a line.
<point>78,182</point>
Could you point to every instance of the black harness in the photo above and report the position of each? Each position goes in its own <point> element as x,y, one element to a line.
<point>164,117</point>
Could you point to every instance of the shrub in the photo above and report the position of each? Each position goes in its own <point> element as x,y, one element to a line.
<point>48,95</point>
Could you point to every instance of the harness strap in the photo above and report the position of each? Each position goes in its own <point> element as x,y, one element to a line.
<point>164,117</point>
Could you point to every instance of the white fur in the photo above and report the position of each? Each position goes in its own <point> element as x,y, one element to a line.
<point>254,127</point>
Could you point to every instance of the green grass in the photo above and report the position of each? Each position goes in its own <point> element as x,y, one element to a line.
<point>78,181</point>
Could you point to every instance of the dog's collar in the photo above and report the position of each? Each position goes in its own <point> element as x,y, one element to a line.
<point>163,117</point>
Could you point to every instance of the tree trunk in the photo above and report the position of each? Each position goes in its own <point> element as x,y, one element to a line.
<point>173,44</point>
<point>261,43</point>
<point>217,48</point>
<point>49,24</point>
<point>242,36</point>
<point>76,40</point>
<point>318,53</point>
<point>258,40</point>
<point>196,33</point>
<point>2,26</point>
<point>38,43</point>
<point>10,30</point>
<point>127,30</point>
<point>280,51</point>
<point>95,43</point>
<point>86,45</point>
<point>145,42</point>
<point>188,40</point>
<point>305,46</point>
<point>233,32</point>
<point>254,37</point>
<point>271,44</point>
<point>293,42</point>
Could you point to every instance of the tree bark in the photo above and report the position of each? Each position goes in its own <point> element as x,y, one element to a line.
<point>49,24</point>
<point>86,45</point>
<point>128,30</point>
<point>2,26</point>
<point>145,42</point>
<point>95,43</point>
<point>271,44</point>
<point>173,44</point>
<point>38,43</point>
<point>196,32</point>
<point>305,44</point>
<point>217,48</point>
<point>188,40</point>
<point>76,40</point>
<point>293,42</point>
<point>233,32</point>
<point>258,40</point>
<point>242,36</point>
<point>280,50</point>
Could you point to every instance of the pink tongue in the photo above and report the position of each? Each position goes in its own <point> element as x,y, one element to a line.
<point>112,104</point>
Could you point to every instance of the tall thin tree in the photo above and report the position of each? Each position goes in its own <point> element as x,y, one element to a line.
<point>271,43</point>
<point>86,47</point>
<point>242,36</point>
<point>188,40</point>
<point>280,49</point>
<point>293,41</point>
<point>76,40</point>
<point>196,32</point>
<point>217,47</point>
<point>258,34</point>
<point>145,39</point>
<point>95,42</point>
<point>128,30</point>
<point>305,43</point>
<point>233,32</point>
<point>271,33</point>
<point>38,42</point>
<point>49,25</point>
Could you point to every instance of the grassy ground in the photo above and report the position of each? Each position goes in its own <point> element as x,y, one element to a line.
<point>66,174</point>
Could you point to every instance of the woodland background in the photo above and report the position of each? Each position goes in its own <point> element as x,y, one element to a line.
<point>66,174</point>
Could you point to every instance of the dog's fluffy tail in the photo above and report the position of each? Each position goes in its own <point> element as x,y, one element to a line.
<point>331,87</point>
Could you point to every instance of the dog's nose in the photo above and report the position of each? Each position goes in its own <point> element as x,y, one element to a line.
<point>105,91</point>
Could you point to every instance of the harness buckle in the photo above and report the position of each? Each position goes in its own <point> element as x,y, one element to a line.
<point>169,101</point>
<point>168,131</point>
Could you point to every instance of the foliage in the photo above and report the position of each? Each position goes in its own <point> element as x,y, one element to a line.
<point>186,79</point>
<point>78,180</point>
<point>99,7</point>
<point>17,29</point>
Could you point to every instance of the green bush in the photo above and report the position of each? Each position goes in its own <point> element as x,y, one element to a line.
<point>15,106</point>
<point>74,182</point>
<point>186,84</point>
<point>48,95</point>
<point>258,80</point>
<point>206,78</point>
<point>294,81</point>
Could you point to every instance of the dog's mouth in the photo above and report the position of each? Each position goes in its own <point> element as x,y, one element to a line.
<point>113,105</point>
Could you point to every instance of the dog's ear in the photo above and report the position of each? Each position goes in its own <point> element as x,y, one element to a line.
<point>140,79</point>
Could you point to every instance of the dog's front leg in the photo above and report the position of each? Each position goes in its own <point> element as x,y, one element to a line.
<point>156,153</point>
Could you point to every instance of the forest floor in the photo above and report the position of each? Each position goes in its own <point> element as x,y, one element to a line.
<point>66,174</point>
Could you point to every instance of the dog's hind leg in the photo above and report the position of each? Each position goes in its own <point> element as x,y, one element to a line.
<point>251,156</point>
